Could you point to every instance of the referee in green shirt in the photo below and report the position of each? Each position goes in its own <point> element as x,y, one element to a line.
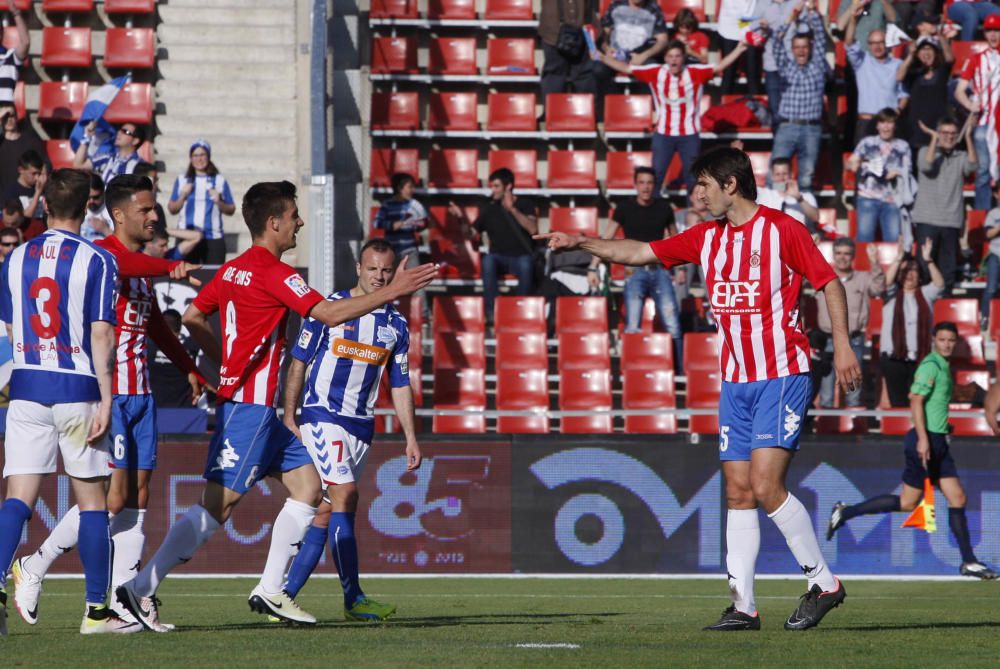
<point>927,454</point>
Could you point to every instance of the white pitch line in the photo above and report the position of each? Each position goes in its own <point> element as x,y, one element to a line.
<point>568,646</point>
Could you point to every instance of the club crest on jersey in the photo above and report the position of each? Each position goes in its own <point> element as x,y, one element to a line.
<point>386,335</point>
<point>755,259</point>
<point>298,285</point>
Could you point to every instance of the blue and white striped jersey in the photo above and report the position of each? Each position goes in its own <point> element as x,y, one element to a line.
<point>199,211</point>
<point>51,289</point>
<point>110,165</point>
<point>346,363</point>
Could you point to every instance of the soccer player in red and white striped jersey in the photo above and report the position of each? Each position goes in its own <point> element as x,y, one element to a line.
<point>676,88</point>
<point>754,259</point>
<point>978,91</point>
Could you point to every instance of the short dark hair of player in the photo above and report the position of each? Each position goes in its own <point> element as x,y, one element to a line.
<point>67,192</point>
<point>265,200</point>
<point>13,207</point>
<point>845,242</point>
<point>377,245</point>
<point>96,182</point>
<point>122,188</point>
<point>887,114</point>
<point>399,181</point>
<point>946,326</point>
<point>31,158</point>
<point>643,169</point>
<point>10,232</point>
<point>504,176</point>
<point>144,169</point>
<point>778,162</point>
<point>724,163</point>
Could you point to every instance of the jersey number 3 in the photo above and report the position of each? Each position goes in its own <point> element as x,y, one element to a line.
<point>47,322</point>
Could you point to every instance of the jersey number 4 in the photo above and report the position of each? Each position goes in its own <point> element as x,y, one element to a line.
<point>47,295</point>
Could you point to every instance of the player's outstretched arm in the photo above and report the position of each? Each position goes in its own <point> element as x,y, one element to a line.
<point>623,251</point>
<point>845,363</point>
<point>402,401</point>
<point>197,324</point>
<point>293,390</point>
<point>991,405</point>
<point>102,342</point>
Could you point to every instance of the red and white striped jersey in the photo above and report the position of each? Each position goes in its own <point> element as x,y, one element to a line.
<point>753,274</point>
<point>983,70</point>
<point>677,99</point>
<point>253,293</point>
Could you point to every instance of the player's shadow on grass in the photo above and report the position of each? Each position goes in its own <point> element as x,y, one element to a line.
<point>425,622</point>
<point>921,626</point>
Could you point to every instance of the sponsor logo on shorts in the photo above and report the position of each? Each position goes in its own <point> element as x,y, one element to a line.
<point>764,436</point>
<point>343,470</point>
<point>298,285</point>
<point>373,355</point>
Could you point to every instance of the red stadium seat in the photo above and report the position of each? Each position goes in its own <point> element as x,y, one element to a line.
<point>61,100</point>
<point>509,10</point>
<point>585,390</point>
<point>130,48</point>
<point>452,111</point>
<point>510,56</point>
<point>654,350</point>
<point>969,423</point>
<point>456,256</point>
<point>130,6</point>
<point>963,51</point>
<point>386,162</point>
<point>396,111</point>
<point>459,350</point>
<point>66,47</point>
<point>827,218</point>
<point>572,169</point>
<point>761,163</point>
<point>994,319</point>
<point>133,104</point>
<point>451,9</point>
<point>452,55</point>
<point>393,9</point>
<point>584,350</point>
<point>444,224</point>
<point>23,5</point>
<point>522,162</point>
<point>453,168</point>
<point>523,390</point>
<point>574,220</point>
<point>581,314</point>
<point>849,179</point>
<point>701,351</point>
<point>512,112</point>
<point>60,153</point>
<point>519,314</point>
<point>628,113</point>
<point>458,313</point>
<point>394,55</point>
<point>649,389</point>
<point>671,7</point>
<point>570,112</point>
<point>969,352</point>
<point>621,167</point>
<point>962,311</point>
<point>704,389</point>
<point>522,350</point>
<point>20,108</point>
<point>67,6</point>
<point>460,389</point>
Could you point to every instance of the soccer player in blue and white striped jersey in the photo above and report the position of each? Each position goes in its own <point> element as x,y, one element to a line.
<point>341,369</point>
<point>57,299</point>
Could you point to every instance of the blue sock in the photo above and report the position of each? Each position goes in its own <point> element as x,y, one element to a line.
<point>959,525</point>
<point>305,562</point>
<point>13,515</point>
<point>345,555</point>
<point>95,554</point>
<point>880,504</point>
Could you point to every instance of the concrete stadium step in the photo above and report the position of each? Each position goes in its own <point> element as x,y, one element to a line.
<point>246,148</point>
<point>199,35</point>
<point>250,125</point>
<point>242,5</point>
<point>228,54</point>
<point>215,72</point>
<point>234,107</point>
<point>192,92</point>
<point>172,13</point>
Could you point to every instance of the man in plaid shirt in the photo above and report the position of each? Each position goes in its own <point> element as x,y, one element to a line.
<point>803,74</point>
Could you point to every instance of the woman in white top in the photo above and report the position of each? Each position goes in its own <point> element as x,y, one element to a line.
<point>201,196</point>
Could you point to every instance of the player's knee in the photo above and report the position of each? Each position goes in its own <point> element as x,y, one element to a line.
<point>739,498</point>
<point>769,494</point>
<point>958,500</point>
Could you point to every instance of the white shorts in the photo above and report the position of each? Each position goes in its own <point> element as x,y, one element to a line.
<point>36,432</point>
<point>339,456</point>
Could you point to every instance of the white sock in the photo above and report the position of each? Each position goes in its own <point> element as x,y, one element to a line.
<point>742,547</point>
<point>184,538</point>
<point>60,541</point>
<point>129,540</point>
<point>794,522</point>
<point>286,538</point>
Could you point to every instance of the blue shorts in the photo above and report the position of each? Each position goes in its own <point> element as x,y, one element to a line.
<point>940,466</point>
<point>762,414</point>
<point>133,432</point>
<point>249,443</point>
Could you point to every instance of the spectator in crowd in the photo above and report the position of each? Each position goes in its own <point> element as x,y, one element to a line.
<point>566,274</point>
<point>970,14</point>
<point>509,221</point>
<point>18,138</point>
<point>879,160</point>
<point>909,12</point>
<point>773,15</point>
<point>784,195</point>
<point>402,218</point>
<point>10,239</point>
<point>121,159</point>
<point>733,32</point>
<point>149,171</point>
<point>874,74</point>
<point>633,32</point>
<point>907,318</point>
<point>645,218</point>
<point>201,196</point>
<point>939,212</point>
<point>159,247</point>
<point>868,16</point>
<point>11,59</point>
<point>97,223</point>
<point>803,72</point>
<point>696,42</point>
<point>860,287</point>
<point>992,226</point>
<point>978,91</point>
<point>676,89</point>
<point>567,64</point>
<point>925,74</point>
<point>170,386</point>
<point>29,185</point>
<point>13,214</point>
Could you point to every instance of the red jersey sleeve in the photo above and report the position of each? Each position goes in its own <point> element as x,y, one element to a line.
<point>207,301</point>
<point>969,68</point>
<point>167,342</point>
<point>701,74</point>
<point>288,287</point>
<point>133,265</point>
<point>682,248</point>
<point>647,73</point>
<point>698,40</point>
<point>799,251</point>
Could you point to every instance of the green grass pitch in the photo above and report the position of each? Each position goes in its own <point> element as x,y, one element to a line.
<point>472,622</point>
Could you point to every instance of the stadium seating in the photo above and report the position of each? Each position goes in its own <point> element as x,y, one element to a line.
<point>521,350</point>
<point>584,350</point>
<point>445,225</point>
<point>130,6</point>
<point>452,55</point>
<point>67,6</point>
<point>386,162</point>
<point>66,47</point>
<point>649,389</point>
<point>994,318</point>
<point>511,112</point>
<point>453,168</point>
<point>701,352</point>
<point>523,390</point>
<point>133,104</point>
<point>519,314</point>
<point>628,113</point>
<point>395,111</point>
<point>451,111</point>
<point>60,153</point>
<point>460,389</point>
<point>969,353</point>
<point>393,9</point>
<point>456,256</point>
<point>962,311</point>
<point>61,100</point>
<point>621,167</point>
<point>581,314</point>
<point>570,112</point>
<point>885,253</point>
<point>572,169</point>
<point>522,162</point>
<point>574,220</point>
<point>130,48</point>
<point>704,388</point>
<point>458,313</point>
<point>394,55</point>
<point>585,390</point>
<point>642,350</point>
<point>509,10</point>
<point>459,350</point>
<point>451,9</point>
<point>671,7</point>
<point>513,56</point>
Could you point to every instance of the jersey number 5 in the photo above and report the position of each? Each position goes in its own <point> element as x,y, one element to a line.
<point>47,322</point>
